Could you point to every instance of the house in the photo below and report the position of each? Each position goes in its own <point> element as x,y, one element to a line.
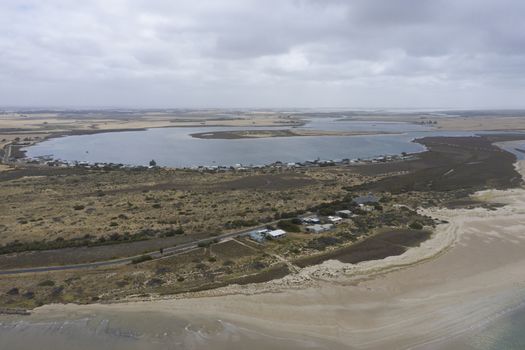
<point>344,213</point>
<point>258,235</point>
<point>335,219</point>
<point>365,199</point>
<point>311,220</point>
<point>366,207</point>
<point>319,228</point>
<point>276,234</point>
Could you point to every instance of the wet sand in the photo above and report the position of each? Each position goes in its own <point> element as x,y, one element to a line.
<point>470,272</point>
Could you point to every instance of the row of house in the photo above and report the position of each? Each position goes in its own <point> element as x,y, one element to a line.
<point>313,223</point>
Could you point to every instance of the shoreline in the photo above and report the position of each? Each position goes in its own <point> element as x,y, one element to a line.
<point>258,134</point>
<point>402,282</point>
<point>22,159</point>
<point>79,132</point>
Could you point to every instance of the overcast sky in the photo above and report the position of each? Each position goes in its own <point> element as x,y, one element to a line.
<point>266,53</point>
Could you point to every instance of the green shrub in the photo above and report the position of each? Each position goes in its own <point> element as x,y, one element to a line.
<point>326,211</point>
<point>47,283</point>
<point>288,226</point>
<point>416,226</point>
<point>203,244</point>
<point>140,259</point>
<point>173,232</point>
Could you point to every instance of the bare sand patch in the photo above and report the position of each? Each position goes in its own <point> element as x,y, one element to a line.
<point>5,167</point>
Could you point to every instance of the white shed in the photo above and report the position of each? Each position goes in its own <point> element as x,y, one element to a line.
<point>276,234</point>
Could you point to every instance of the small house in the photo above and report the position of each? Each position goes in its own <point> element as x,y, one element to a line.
<point>365,199</point>
<point>335,219</point>
<point>276,234</point>
<point>366,207</point>
<point>344,213</point>
<point>319,228</point>
<point>311,220</point>
<point>258,236</point>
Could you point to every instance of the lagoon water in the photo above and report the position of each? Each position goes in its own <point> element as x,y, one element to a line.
<point>175,147</point>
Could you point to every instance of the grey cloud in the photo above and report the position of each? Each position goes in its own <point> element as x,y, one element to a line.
<point>262,53</point>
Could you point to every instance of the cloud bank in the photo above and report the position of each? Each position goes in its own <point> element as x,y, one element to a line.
<point>271,53</point>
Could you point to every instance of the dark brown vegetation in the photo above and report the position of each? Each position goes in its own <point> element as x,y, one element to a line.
<point>379,246</point>
<point>464,164</point>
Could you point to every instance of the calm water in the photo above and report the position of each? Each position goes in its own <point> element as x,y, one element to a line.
<point>512,147</point>
<point>505,333</point>
<point>176,148</point>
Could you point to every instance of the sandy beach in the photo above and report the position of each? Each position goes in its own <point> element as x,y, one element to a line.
<point>470,272</point>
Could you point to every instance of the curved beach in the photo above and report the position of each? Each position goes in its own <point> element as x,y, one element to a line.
<point>471,272</point>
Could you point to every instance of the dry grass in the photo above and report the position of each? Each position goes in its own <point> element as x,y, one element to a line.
<point>101,203</point>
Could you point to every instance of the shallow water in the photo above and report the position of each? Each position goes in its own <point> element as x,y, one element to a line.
<point>512,146</point>
<point>504,333</point>
<point>176,148</point>
<point>143,330</point>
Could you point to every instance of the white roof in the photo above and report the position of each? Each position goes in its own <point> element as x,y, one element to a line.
<point>320,228</point>
<point>277,233</point>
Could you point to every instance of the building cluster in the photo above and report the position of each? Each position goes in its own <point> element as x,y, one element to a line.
<point>50,161</point>
<point>264,234</point>
<point>306,164</point>
<point>315,224</point>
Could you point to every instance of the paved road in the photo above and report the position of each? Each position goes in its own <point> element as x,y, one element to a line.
<point>179,249</point>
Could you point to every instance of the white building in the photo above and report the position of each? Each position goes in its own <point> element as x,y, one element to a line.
<point>344,213</point>
<point>366,207</point>
<point>319,228</point>
<point>335,219</point>
<point>311,220</point>
<point>276,234</point>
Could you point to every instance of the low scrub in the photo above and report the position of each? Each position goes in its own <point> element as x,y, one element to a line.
<point>141,259</point>
<point>288,226</point>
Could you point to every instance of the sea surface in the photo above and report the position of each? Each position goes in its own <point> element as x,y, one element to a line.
<point>504,333</point>
<point>175,147</point>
